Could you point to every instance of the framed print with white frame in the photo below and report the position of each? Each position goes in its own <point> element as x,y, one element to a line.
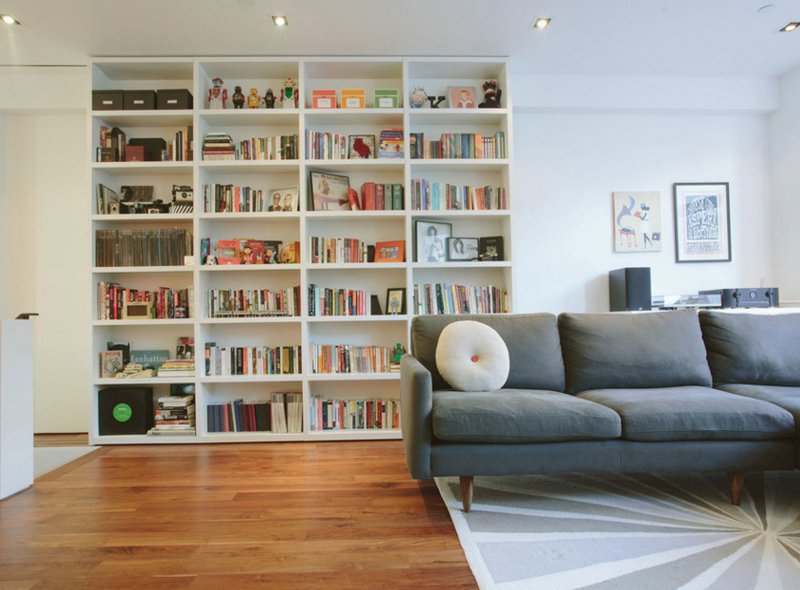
<point>702,222</point>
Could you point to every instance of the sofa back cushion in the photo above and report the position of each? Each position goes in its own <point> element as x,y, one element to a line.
<point>637,350</point>
<point>752,348</point>
<point>532,340</point>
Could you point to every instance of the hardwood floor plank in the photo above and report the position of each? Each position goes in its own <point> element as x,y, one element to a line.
<point>190,517</point>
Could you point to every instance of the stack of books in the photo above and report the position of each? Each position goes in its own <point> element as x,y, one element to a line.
<point>177,368</point>
<point>218,146</point>
<point>174,416</point>
<point>391,143</point>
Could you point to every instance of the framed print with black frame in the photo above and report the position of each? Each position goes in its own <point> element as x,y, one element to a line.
<point>396,301</point>
<point>329,192</point>
<point>702,222</point>
<point>430,240</point>
<point>463,249</point>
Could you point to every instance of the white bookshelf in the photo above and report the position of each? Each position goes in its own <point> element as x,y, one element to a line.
<point>435,75</point>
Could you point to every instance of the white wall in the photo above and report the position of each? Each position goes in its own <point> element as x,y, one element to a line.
<point>572,162</point>
<point>785,161</point>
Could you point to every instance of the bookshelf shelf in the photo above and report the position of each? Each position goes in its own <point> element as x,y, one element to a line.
<point>251,184</point>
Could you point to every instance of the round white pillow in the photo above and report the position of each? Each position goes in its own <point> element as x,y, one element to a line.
<point>471,356</point>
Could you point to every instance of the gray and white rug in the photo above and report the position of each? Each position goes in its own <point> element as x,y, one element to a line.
<point>614,532</point>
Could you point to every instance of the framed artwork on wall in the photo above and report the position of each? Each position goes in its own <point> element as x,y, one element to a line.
<point>637,221</point>
<point>702,222</point>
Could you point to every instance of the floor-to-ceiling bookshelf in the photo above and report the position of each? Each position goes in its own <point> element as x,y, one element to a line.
<point>436,76</point>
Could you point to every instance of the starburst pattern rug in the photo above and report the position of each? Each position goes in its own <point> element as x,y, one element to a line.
<point>614,532</point>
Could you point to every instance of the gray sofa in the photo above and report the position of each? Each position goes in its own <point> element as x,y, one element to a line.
<point>625,393</point>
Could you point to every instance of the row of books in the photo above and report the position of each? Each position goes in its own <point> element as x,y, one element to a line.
<point>218,146</point>
<point>350,358</point>
<point>337,250</point>
<point>111,144</point>
<point>252,360</point>
<point>321,145</point>
<point>427,195</point>
<point>324,301</point>
<point>276,147</point>
<point>175,415</point>
<point>446,298</point>
<point>142,247</point>
<point>376,196</point>
<point>179,149</point>
<point>248,251</point>
<point>459,146</point>
<point>165,303</point>
<point>233,303</point>
<point>369,414</point>
<point>283,413</point>
<point>227,198</point>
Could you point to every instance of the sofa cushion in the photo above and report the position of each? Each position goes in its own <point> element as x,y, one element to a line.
<point>520,416</point>
<point>660,349</point>
<point>693,413</point>
<point>787,398</point>
<point>752,348</point>
<point>471,356</point>
<point>532,340</point>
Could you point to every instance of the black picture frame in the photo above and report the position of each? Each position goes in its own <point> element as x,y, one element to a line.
<point>702,221</point>
<point>462,249</point>
<point>396,301</point>
<point>430,240</point>
<point>491,249</point>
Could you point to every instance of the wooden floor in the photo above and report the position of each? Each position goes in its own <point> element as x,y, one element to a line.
<point>284,516</point>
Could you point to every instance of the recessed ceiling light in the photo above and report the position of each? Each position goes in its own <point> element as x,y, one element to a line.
<point>790,27</point>
<point>280,21</point>
<point>541,23</point>
<point>9,19</point>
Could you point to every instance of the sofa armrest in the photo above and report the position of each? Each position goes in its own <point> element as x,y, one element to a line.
<point>416,402</point>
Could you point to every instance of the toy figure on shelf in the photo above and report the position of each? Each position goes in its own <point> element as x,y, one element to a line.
<point>289,93</point>
<point>269,99</point>
<point>253,99</point>
<point>491,95</point>
<point>397,352</point>
<point>238,98</point>
<point>217,96</point>
<point>417,98</point>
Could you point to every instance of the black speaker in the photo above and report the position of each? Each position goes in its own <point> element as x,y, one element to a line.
<point>125,410</point>
<point>629,289</point>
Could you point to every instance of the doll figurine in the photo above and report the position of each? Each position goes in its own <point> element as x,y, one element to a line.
<point>417,98</point>
<point>217,95</point>
<point>237,98</point>
<point>269,99</point>
<point>253,99</point>
<point>289,94</point>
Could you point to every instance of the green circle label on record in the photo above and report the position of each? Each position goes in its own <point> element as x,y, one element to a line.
<point>122,412</point>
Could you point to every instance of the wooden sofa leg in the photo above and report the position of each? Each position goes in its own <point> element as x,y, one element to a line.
<point>736,479</point>
<point>466,492</point>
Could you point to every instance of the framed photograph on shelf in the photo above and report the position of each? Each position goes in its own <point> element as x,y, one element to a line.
<point>491,249</point>
<point>283,199</point>
<point>360,147</point>
<point>462,97</point>
<point>462,249</point>
<point>329,192</point>
<point>396,301</point>
<point>702,222</point>
<point>390,251</point>
<point>431,238</point>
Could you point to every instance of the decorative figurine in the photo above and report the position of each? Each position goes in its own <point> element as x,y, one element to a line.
<point>269,99</point>
<point>436,101</point>
<point>289,99</point>
<point>397,352</point>
<point>253,99</point>
<point>417,98</point>
<point>217,96</point>
<point>491,95</point>
<point>237,98</point>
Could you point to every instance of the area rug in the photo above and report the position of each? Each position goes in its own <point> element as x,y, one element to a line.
<point>619,532</point>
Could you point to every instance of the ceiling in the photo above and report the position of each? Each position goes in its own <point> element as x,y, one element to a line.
<point>716,38</point>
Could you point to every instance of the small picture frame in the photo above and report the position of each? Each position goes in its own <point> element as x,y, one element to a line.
<point>329,192</point>
<point>462,249</point>
<point>137,310</point>
<point>431,240</point>
<point>396,301</point>
<point>390,251</point>
<point>386,99</point>
<point>283,199</point>
<point>361,147</point>
<point>462,97</point>
<point>702,222</point>
<point>491,249</point>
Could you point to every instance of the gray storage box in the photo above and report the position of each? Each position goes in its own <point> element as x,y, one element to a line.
<point>174,99</point>
<point>139,100</point>
<point>106,100</point>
